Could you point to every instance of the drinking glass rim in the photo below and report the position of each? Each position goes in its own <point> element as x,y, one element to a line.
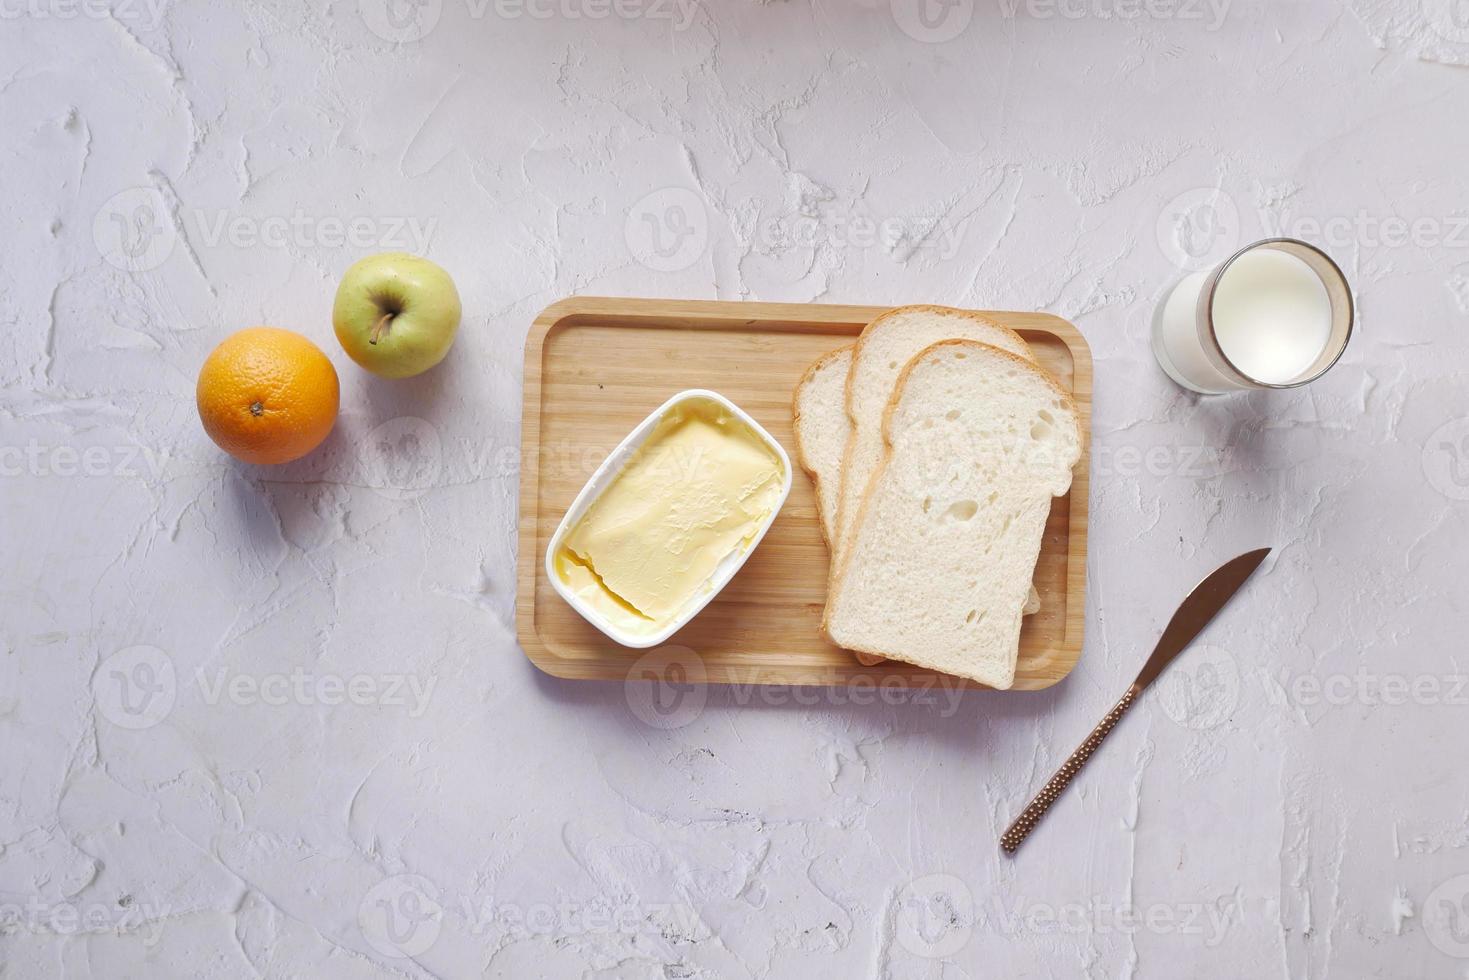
<point>1212,283</point>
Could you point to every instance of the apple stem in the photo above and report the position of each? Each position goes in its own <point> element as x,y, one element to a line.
<point>380,329</point>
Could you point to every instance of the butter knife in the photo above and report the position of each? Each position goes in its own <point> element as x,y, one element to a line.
<point>1195,612</point>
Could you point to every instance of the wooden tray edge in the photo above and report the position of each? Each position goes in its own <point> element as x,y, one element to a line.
<point>530,485</point>
<point>1080,492</point>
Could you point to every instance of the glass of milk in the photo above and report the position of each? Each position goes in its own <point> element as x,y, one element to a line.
<point>1275,314</point>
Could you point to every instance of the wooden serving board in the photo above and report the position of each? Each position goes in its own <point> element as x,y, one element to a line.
<point>595,367</point>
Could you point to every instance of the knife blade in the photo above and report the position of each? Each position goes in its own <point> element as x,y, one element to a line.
<point>1196,611</point>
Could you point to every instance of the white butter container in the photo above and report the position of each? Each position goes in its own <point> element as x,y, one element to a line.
<point>608,473</point>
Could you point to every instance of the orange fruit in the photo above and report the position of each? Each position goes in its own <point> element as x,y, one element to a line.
<point>267,395</point>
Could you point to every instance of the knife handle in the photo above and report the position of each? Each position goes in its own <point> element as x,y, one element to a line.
<point>1032,814</point>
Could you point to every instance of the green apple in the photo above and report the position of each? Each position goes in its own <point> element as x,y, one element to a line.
<point>396,314</point>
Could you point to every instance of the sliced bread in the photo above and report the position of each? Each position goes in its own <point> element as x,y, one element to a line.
<point>820,418</point>
<point>885,347</point>
<point>976,442</point>
<point>822,428</point>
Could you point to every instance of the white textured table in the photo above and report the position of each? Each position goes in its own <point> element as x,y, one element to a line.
<point>275,722</point>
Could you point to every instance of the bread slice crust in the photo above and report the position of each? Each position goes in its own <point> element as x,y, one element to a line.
<point>803,456</point>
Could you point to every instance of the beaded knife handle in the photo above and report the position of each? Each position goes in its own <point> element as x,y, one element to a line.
<point>1193,614</point>
<point>1032,814</point>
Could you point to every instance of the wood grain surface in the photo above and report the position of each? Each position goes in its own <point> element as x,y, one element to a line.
<point>595,367</point>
